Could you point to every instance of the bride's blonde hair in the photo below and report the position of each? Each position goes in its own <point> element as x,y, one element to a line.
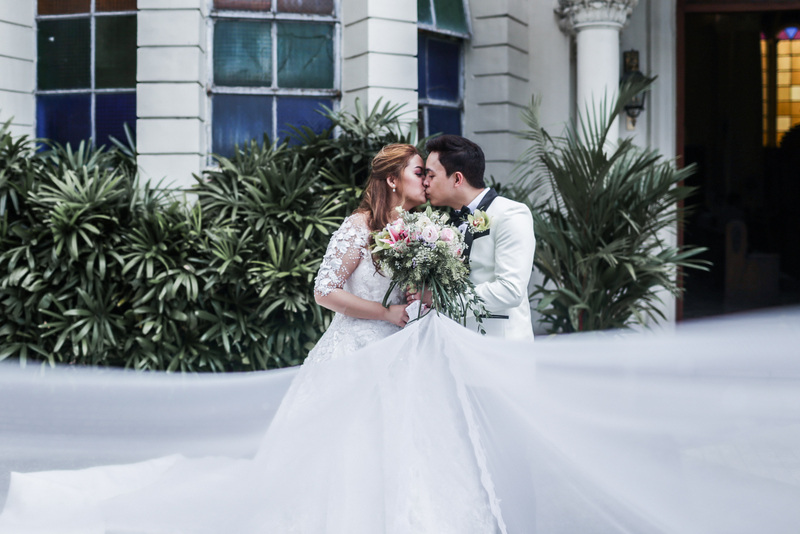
<point>390,161</point>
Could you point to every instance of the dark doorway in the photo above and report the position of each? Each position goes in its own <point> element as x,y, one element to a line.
<point>747,205</point>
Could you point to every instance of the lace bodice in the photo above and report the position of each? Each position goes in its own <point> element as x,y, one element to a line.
<point>347,265</point>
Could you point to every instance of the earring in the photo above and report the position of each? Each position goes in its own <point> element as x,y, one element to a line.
<point>394,190</point>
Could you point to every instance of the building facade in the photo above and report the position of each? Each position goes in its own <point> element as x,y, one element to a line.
<point>192,77</point>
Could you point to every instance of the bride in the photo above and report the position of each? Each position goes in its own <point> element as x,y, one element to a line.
<point>424,428</point>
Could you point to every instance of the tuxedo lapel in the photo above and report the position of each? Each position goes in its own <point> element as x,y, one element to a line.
<point>488,198</point>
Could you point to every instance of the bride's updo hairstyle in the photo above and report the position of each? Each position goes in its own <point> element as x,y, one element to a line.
<point>376,202</point>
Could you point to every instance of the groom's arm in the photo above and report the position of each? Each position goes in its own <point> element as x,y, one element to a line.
<point>514,246</point>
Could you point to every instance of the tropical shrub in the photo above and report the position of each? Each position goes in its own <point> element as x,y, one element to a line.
<point>97,268</point>
<point>601,209</point>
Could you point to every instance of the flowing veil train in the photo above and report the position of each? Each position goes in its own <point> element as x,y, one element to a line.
<point>432,429</point>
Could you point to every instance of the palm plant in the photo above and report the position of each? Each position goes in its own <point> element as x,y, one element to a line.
<point>98,268</point>
<point>604,209</point>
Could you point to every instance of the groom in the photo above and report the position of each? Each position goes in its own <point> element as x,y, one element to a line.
<point>500,257</point>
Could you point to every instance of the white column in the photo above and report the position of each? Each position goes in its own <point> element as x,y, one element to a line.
<point>18,66</point>
<point>497,83</point>
<point>379,49</point>
<point>596,25</point>
<point>170,92</point>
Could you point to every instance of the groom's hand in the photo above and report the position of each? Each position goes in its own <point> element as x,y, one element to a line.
<point>413,295</point>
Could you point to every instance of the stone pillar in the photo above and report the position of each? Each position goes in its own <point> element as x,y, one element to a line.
<point>171,97</point>
<point>17,66</point>
<point>497,83</point>
<point>379,49</point>
<point>596,25</point>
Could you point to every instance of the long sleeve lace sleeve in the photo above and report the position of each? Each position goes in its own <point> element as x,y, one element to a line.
<point>343,255</point>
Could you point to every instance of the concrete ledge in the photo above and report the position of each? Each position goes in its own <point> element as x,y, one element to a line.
<point>18,12</point>
<point>170,100</point>
<point>201,5</point>
<point>20,106</point>
<point>383,70</point>
<point>171,64</point>
<point>17,41</point>
<point>17,75</point>
<point>500,31</point>
<point>173,170</point>
<point>400,10</point>
<point>170,136</point>
<point>498,60</point>
<point>171,28</point>
<point>514,8</point>
<point>381,36</point>
<point>369,96</point>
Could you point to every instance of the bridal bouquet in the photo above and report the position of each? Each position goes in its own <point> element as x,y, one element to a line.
<point>421,250</point>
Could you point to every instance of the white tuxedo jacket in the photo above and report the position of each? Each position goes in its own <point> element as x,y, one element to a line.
<point>500,263</point>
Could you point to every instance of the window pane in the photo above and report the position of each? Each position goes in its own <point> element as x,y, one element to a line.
<point>112,112</point>
<point>63,50</point>
<point>444,70</point>
<point>450,15</point>
<point>115,60</point>
<point>239,118</point>
<point>305,55</point>
<point>422,66</point>
<point>444,120</point>
<point>59,7</point>
<point>115,5</point>
<point>244,5</point>
<point>63,118</point>
<point>243,53</point>
<point>424,15</point>
<point>319,7</point>
<point>299,112</point>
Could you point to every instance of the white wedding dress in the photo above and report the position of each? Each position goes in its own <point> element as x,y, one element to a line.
<point>428,429</point>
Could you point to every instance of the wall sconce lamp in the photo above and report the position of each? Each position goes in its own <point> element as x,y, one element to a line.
<point>631,72</point>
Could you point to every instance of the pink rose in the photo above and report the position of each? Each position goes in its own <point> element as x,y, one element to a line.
<point>429,234</point>
<point>447,235</point>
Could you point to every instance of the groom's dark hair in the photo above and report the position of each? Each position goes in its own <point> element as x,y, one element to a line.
<point>458,153</point>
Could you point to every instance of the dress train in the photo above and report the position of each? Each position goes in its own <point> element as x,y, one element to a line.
<point>432,429</point>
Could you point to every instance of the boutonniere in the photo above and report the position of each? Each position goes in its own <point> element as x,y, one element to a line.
<point>478,222</point>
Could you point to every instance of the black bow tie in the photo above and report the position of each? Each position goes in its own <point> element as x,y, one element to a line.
<point>462,214</point>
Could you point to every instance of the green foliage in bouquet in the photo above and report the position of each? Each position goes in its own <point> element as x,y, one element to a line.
<point>422,251</point>
<point>604,207</point>
<point>97,268</point>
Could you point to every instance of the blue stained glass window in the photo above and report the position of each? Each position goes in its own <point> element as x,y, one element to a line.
<point>300,111</point>
<point>65,118</point>
<point>243,53</point>
<point>305,55</point>
<point>238,119</point>
<point>112,112</point>
<point>440,79</point>
<point>422,66</point>
<point>444,120</point>
<point>444,69</point>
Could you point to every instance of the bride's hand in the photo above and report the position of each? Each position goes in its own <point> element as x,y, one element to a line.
<point>397,314</point>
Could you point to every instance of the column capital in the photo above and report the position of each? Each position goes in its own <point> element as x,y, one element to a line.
<point>576,15</point>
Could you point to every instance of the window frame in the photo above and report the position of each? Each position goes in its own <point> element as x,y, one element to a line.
<point>424,103</point>
<point>92,90</point>
<point>274,17</point>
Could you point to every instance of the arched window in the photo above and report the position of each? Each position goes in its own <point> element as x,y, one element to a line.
<point>443,27</point>
<point>781,84</point>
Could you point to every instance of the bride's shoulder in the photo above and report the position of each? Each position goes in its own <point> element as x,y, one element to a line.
<point>358,221</point>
